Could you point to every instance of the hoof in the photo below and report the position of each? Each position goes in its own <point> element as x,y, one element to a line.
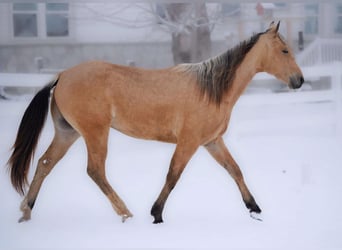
<point>253,207</point>
<point>26,215</point>
<point>24,207</point>
<point>125,217</point>
<point>158,221</point>
<point>156,212</point>
<point>255,216</point>
<point>24,218</point>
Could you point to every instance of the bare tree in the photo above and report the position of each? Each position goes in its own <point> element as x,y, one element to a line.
<point>190,31</point>
<point>188,24</point>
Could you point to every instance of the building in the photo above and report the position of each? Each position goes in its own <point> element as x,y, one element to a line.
<point>48,37</point>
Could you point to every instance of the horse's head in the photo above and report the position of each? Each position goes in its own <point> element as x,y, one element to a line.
<point>278,59</point>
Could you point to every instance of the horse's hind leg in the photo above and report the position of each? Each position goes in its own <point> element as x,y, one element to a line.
<point>221,154</point>
<point>57,149</point>
<point>97,153</point>
<point>64,137</point>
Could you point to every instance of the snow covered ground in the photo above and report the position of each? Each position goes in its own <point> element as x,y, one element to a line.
<point>290,155</point>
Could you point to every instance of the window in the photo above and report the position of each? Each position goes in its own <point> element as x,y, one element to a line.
<point>338,21</point>
<point>39,20</point>
<point>311,20</point>
<point>57,19</point>
<point>25,22</point>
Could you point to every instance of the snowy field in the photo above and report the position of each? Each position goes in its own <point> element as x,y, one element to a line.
<point>290,155</point>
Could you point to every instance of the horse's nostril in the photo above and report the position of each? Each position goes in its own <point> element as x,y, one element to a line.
<point>296,81</point>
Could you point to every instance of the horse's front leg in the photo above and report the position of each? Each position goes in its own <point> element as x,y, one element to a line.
<point>221,154</point>
<point>180,158</point>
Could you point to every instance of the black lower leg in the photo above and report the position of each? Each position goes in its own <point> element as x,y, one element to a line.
<point>252,206</point>
<point>156,212</point>
<point>177,165</point>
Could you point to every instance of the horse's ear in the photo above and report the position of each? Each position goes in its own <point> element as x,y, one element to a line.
<point>278,24</point>
<point>274,28</point>
<point>271,25</point>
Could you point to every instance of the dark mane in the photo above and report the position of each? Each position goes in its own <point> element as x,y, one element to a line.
<point>215,75</point>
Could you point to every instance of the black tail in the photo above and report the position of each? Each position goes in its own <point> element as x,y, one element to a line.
<point>28,134</point>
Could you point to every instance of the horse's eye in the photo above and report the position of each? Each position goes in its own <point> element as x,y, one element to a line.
<point>285,51</point>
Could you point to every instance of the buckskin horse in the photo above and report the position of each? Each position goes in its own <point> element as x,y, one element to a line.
<point>189,105</point>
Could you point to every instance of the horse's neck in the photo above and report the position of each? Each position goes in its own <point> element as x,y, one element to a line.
<point>244,74</point>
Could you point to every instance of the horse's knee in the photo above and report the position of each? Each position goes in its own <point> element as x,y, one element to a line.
<point>93,173</point>
<point>99,177</point>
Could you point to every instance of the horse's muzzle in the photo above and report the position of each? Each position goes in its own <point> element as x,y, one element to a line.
<point>296,81</point>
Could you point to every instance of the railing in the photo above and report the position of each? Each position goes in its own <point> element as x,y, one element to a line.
<point>321,51</point>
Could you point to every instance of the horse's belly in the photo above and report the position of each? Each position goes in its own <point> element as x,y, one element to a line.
<point>145,130</point>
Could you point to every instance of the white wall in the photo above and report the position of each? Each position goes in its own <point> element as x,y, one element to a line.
<point>134,22</point>
<point>95,23</point>
<point>5,17</point>
<point>116,23</point>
